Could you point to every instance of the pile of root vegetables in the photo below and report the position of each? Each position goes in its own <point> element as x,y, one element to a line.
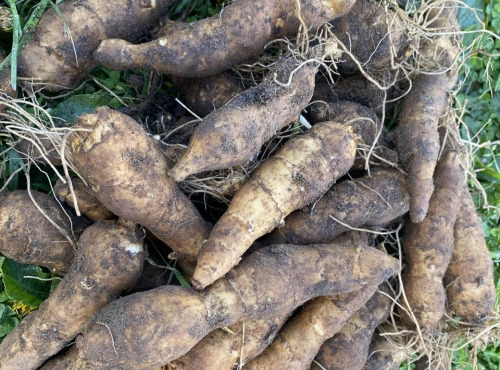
<point>312,236</point>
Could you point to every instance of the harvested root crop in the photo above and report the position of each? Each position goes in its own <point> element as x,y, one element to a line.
<point>417,138</point>
<point>303,335</point>
<point>29,236</point>
<point>349,348</point>
<point>301,171</point>
<point>127,172</point>
<point>269,283</point>
<point>223,349</point>
<point>371,201</point>
<point>469,281</point>
<point>428,247</point>
<point>237,131</point>
<point>215,44</point>
<point>387,44</point>
<point>87,203</point>
<point>60,52</point>
<point>109,260</point>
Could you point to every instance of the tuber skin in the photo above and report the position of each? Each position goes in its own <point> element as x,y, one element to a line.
<point>384,355</point>
<point>349,348</point>
<point>223,350</point>
<point>110,258</point>
<point>215,44</point>
<point>428,246</point>
<point>269,283</point>
<point>369,200</point>
<point>303,169</point>
<point>417,137</point>
<point>61,56</point>
<point>127,172</point>
<point>87,203</point>
<point>26,236</point>
<point>387,44</point>
<point>204,95</point>
<point>304,334</point>
<point>469,280</point>
<point>237,131</point>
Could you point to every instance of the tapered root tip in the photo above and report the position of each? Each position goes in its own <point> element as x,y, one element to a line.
<point>201,278</point>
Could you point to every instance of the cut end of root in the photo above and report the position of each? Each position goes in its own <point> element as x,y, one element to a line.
<point>201,278</point>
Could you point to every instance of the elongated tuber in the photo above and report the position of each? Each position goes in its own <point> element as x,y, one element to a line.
<point>295,176</point>
<point>269,283</point>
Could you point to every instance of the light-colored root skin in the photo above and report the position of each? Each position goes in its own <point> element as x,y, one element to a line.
<point>469,280</point>
<point>337,352</point>
<point>269,283</point>
<point>237,131</point>
<point>292,178</point>
<point>428,246</point>
<point>127,173</point>
<point>215,44</point>
<point>109,260</point>
<point>304,334</point>
<point>417,138</point>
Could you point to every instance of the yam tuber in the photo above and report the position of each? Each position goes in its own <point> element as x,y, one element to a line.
<point>60,51</point>
<point>223,349</point>
<point>27,235</point>
<point>428,246</point>
<point>127,172</point>
<point>417,138</point>
<point>109,259</point>
<point>349,348</point>
<point>304,334</point>
<point>269,283</point>
<point>237,131</point>
<point>369,200</point>
<point>303,169</point>
<point>214,44</point>
<point>469,281</point>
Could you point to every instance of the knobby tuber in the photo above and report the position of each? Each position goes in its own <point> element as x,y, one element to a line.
<point>60,51</point>
<point>109,260</point>
<point>215,44</point>
<point>428,246</point>
<point>27,235</point>
<point>301,171</point>
<point>127,172</point>
<point>269,283</point>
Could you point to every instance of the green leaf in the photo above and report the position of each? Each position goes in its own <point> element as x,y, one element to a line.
<point>76,105</point>
<point>467,18</point>
<point>29,291</point>
<point>7,325</point>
